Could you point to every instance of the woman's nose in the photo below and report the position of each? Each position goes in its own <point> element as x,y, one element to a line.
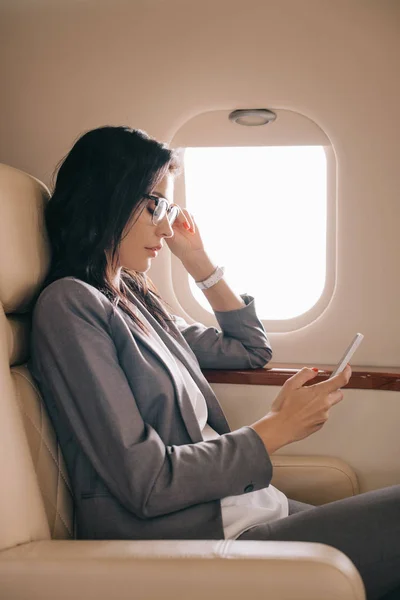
<point>165,228</point>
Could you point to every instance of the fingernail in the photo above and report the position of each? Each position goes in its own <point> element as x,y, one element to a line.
<point>315,369</point>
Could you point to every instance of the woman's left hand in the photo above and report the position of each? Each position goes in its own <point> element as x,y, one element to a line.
<point>187,239</point>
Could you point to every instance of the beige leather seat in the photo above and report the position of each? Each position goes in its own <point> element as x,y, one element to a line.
<point>39,559</point>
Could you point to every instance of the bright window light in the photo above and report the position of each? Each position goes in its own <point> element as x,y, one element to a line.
<point>262,212</point>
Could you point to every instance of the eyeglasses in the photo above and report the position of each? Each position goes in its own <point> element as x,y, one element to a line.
<point>158,207</point>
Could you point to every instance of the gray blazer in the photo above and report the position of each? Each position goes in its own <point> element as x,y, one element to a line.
<point>138,465</point>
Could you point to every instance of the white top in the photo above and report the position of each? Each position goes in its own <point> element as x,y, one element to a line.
<point>239,513</point>
<point>246,510</point>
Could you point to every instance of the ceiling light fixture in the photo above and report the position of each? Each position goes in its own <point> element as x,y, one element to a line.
<point>252,116</point>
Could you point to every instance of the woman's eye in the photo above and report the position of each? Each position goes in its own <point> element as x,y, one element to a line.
<point>151,206</point>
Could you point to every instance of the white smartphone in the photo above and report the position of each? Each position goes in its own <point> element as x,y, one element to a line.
<point>358,338</point>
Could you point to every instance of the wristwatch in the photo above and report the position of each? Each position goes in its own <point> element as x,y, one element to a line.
<point>212,280</point>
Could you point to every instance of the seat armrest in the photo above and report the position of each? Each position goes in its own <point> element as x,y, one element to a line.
<point>314,479</point>
<point>149,570</point>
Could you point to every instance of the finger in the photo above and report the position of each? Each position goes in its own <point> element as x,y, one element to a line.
<point>189,219</point>
<point>336,397</point>
<point>182,224</point>
<point>298,380</point>
<point>340,380</point>
<point>193,222</point>
<point>181,218</point>
<point>318,426</point>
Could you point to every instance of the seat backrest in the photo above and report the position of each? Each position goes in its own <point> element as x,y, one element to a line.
<point>36,501</point>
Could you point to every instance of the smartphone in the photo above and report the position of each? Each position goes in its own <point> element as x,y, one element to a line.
<point>358,338</point>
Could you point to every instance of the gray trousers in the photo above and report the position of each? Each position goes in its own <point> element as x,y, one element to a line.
<point>365,527</point>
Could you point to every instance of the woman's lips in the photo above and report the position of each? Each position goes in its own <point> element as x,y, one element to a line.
<point>153,251</point>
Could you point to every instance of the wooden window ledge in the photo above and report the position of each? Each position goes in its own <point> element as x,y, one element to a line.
<point>363,378</point>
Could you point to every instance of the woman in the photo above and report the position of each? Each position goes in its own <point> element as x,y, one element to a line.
<point>148,449</point>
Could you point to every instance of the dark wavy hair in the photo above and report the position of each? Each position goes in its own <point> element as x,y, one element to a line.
<point>100,187</point>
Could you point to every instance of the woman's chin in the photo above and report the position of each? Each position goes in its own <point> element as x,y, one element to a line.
<point>142,268</point>
<point>146,266</point>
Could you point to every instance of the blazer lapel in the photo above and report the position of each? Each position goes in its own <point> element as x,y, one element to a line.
<point>216,416</point>
<point>184,402</point>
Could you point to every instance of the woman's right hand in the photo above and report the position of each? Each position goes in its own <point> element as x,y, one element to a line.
<point>299,411</point>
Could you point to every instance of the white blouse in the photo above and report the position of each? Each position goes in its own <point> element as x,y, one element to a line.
<point>239,513</point>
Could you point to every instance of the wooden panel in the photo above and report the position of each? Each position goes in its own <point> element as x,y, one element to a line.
<point>362,379</point>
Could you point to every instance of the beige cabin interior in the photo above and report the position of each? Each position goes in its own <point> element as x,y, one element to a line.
<point>72,65</point>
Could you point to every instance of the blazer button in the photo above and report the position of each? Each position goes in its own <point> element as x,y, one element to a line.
<point>249,488</point>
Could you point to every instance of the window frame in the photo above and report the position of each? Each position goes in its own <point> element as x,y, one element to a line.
<point>180,277</point>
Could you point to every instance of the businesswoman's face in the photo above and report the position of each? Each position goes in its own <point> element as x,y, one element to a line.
<point>142,242</point>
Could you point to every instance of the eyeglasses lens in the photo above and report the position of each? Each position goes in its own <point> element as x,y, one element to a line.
<point>161,210</point>
<point>173,213</point>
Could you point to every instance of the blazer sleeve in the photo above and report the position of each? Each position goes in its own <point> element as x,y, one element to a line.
<point>242,342</point>
<point>76,357</point>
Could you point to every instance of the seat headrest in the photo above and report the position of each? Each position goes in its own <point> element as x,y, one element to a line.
<point>24,246</point>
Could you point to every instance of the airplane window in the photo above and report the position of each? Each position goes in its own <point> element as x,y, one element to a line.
<point>262,212</point>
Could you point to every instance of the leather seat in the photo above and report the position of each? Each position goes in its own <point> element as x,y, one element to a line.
<point>39,557</point>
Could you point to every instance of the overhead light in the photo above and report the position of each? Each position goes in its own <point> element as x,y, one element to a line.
<point>252,116</point>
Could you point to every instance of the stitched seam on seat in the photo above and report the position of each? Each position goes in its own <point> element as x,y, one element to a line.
<point>316,467</point>
<point>56,511</point>
<point>33,425</point>
<point>58,470</point>
<point>48,448</point>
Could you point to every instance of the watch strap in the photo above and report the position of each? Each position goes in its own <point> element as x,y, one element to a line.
<point>212,280</point>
